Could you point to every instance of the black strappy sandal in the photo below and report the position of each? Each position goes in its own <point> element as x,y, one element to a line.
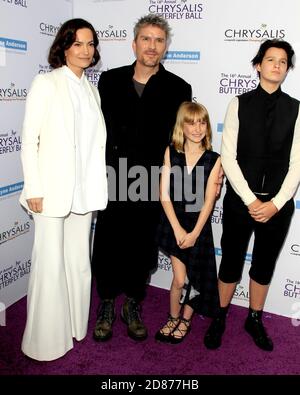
<point>175,339</point>
<point>171,325</point>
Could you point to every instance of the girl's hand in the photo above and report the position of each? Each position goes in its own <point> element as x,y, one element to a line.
<point>35,204</point>
<point>189,240</point>
<point>180,234</point>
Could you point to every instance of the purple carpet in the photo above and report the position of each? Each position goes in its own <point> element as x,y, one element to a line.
<point>123,356</point>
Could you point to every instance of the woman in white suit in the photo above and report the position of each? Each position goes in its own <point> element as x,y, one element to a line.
<point>63,158</point>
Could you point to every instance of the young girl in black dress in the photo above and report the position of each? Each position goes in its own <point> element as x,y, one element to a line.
<point>190,168</point>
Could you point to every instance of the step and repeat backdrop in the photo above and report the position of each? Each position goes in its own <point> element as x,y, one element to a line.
<point>211,47</point>
<point>27,29</point>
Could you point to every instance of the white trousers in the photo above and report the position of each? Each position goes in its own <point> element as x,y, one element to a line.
<point>59,288</point>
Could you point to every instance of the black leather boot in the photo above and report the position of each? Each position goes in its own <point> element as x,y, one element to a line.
<point>256,329</point>
<point>105,319</point>
<point>130,315</point>
<point>213,336</point>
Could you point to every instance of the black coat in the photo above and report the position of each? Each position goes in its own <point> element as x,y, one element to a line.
<point>138,129</point>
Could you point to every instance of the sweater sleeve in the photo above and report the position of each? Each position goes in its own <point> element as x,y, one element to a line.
<point>291,181</point>
<point>229,153</point>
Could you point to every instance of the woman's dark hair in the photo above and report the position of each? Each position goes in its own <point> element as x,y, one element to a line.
<point>64,39</point>
<point>277,44</point>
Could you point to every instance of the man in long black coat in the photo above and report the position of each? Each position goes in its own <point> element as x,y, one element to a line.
<point>139,103</point>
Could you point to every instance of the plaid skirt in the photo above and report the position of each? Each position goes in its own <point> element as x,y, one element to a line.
<point>202,281</point>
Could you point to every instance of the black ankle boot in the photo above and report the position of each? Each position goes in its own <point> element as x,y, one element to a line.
<point>213,336</point>
<point>105,318</point>
<point>130,314</point>
<point>255,328</point>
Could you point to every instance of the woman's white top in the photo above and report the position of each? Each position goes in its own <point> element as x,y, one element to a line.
<point>86,119</point>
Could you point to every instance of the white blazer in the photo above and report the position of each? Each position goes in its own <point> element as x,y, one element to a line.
<point>48,147</point>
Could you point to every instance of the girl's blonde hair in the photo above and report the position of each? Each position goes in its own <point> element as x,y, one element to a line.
<point>189,112</point>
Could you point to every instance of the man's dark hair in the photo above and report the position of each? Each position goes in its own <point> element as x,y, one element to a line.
<point>64,39</point>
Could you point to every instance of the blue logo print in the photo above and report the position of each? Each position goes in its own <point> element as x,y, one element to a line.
<point>220,127</point>
<point>13,188</point>
<point>10,43</point>
<point>182,55</point>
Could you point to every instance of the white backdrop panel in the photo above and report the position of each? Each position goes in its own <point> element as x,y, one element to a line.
<point>212,45</point>
<point>27,29</point>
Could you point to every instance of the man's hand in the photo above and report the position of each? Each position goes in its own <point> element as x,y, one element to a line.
<point>220,182</point>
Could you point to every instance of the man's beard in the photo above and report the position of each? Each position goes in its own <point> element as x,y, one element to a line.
<point>145,61</point>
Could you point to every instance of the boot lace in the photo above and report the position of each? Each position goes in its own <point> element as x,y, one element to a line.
<point>133,311</point>
<point>106,312</point>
